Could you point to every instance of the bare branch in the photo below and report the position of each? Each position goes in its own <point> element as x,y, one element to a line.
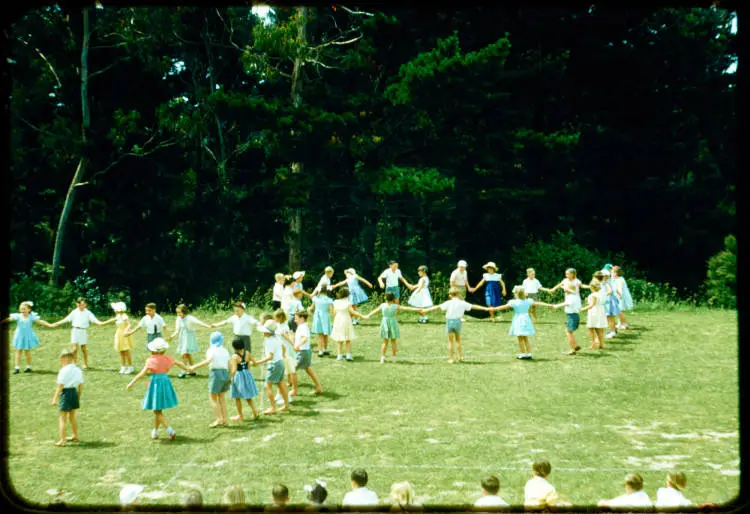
<point>46,133</point>
<point>210,152</point>
<point>92,75</point>
<point>122,157</point>
<point>355,12</point>
<point>334,42</point>
<point>314,61</point>
<point>52,69</point>
<point>229,28</point>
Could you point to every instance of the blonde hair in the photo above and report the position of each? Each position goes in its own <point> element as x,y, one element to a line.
<point>277,276</point>
<point>27,304</point>
<point>617,270</point>
<point>519,292</point>
<point>280,315</point>
<point>183,309</point>
<point>234,496</point>
<point>402,493</point>
<point>453,292</point>
<point>677,479</point>
<point>423,269</point>
<point>328,269</point>
<point>595,285</point>
<point>572,271</point>
<point>66,353</point>
<point>529,270</point>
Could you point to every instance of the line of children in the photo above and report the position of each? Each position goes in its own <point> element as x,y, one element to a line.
<point>80,319</point>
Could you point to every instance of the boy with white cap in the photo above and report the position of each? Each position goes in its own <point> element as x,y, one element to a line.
<point>460,281</point>
<point>81,318</point>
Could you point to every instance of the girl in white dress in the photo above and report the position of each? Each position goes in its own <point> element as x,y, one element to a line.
<point>420,296</point>
<point>596,320</point>
<point>343,328</point>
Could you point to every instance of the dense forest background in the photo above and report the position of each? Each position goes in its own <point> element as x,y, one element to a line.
<point>194,152</point>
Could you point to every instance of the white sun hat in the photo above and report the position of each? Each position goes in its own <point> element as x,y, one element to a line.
<point>462,263</point>
<point>606,272</point>
<point>129,493</point>
<point>118,306</point>
<point>490,265</point>
<point>298,274</point>
<point>269,327</point>
<point>350,271</point>
<point>157,345</point>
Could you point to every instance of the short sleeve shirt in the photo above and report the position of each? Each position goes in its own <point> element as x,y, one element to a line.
<point>278,290</point>
<point>459,278</point>
<point>492,277</point>
<point>81,318</point>
<point>273,346</point>
<point>219,357</point>
<point>531,286</point>
<point>70,376</point>
<point>455,308</point>
<point>242,324</point>
<point>152,325</point>
<point>302,331</point>
<point>391,277</point>
<point>159,363</point>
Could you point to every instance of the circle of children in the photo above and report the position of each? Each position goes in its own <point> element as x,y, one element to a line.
<point>287,336</point>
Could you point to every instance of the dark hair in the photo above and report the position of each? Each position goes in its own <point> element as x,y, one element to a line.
<point>491,484</point>
<point>151,305</point>
<point>343,292</point>
<point>288,280</point>
<point>281,314</point>
<point>391,263</point>
<point>183,309</point>
<point>542,468</point>
<point>239,305</point>
<point>323,291</point>
<point>634,481</point>
<point>599,276</point>
<point>302,314</point>
<point>359,477</point>
<point>81,299</point>
<point>237,343</point>
<point>318,494</point>
<point>280,492</point>
<point>390,297</point>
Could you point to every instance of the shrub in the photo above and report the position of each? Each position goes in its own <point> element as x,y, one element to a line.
<point>48,300</point>
<point>721,281</point>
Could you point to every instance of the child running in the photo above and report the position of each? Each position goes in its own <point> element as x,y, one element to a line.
<point>218,380</point>
<point>302,347</point>
<point>243,383</point>
<point>323,312</point>
<point>68,395</point>
<point>343,328</point>
<point>24,338</point>
<point>357,295</point>
<point>123,344</point>
<point>160,394</point>
<point>80,318</point>
<point>521,325</point>
<point>454,309</point>
<point>493,296</point>
<point>241,324</point>
<point>420,296</point>
<point>275,369</point>
<point>596,320</point>
<point>184,329</point>
<point>389,330</point>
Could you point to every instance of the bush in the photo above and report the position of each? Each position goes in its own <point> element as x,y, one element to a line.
<point>48,300</point>
<point>721,281</point>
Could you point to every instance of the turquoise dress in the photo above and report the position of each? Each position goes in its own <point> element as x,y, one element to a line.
<point>188,342</point>
<point>521,324</point>
<point>389,325</point>
<point>25,338</point>
<point>322,317</point>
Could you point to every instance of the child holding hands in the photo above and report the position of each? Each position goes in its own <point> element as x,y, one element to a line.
<point>521,325</point>
<point>67,395</point>
<point>243,383</point>
<point>389,330</point>
<point>24,338</point>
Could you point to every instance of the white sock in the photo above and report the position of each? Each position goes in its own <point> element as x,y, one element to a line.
<point>154,433</point>
<point>170,430</point>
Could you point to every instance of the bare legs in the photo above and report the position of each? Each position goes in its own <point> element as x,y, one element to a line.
<point>219,404</point>
<point>284,394</point>
<point>64,417</point>
<point>238,403</point>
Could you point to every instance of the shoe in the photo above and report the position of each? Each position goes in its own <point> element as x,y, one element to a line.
<point>182,375</point>
<point>382,360</point>
<point>521,356</point>
<point>355,322</point>
<point>349,357</point>
<point>128,370</point>
<point>528,356</point>
<point>339,357</point>
<point>320,353</point>
<point>122,370</point>
<point>27,370</point>
<point>193,374</point>
<point>16,371</point>
<point>154,434</point>
<point>577,348</point>
<point>609,335</point>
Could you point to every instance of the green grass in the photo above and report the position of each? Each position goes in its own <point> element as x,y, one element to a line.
<point>664,395</point>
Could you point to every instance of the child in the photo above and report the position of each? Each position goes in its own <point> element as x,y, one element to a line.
<point>325,281</point>
<point>531,285</point>
<point>294,306</point>
<point>275,370</point>
<point>80,318</point>
<point>123,344</point>
<point>290,359</point>
<point>343,329</point>
<point>278,290</point>
<point>323,307</point>
<point>160,394</point>
<point>279,496</point>
<point>454,309</point>
<point>492,294</point>
<point>611,304</point>
<point>521,325</point>
<point>392,275</point>
<point>298,276</point>
<point>234,497</point>
<point>538,493</point>
<point>152,322</point>
<point>596,320</point>
<point>623,293</point>
<point>316,495</point>
<point>570,284</point>
<point>572,305</point>
<point>243,383</point>
<point>360,495</point>
<point>302,347</point>
<point>287,295</point>
<point>24,338</point>
<point>420,296</point>
<point>218,380</point>
<point>356,294</point>
<point>184,328</point>
<point>389,330</point>
<point>241,323</point>
<point>402,497</point>
<point>490,488</point>
<point>634,495</point>
<point>460,280</point>
<point>671,496</point>
<point>68,395</point>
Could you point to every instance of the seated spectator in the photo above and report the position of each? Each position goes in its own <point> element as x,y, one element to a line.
<point>317,495</point>
<point>192,500</point>
<point>234,496</point>
<point>490,488</point>
<point>671,496</point>
<point>279,496</point>
<point>538,493</point>
<point>634,495</point>
<point>360,496</point>
<point>403,497</point>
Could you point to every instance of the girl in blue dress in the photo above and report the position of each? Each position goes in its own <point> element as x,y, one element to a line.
<point>611,305</point>
<point>243,383</point>
<point>357,295</point>
<point>323,311</point>
<point>521,325</point>
<point>492,293</point>
<point>623,293</point>
<point>24,339</point>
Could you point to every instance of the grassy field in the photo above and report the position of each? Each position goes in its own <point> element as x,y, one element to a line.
<point>664,395</point>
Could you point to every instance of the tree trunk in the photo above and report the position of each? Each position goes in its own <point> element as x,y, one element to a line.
<point>78,175</point>
<point>295,213</point>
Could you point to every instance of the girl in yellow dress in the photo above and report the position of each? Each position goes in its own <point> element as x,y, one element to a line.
<point>123,343</point>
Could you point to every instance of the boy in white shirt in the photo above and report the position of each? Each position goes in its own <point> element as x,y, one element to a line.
<point>242,324</point>
<point>392,275</point>
<point>671,496</point>
<point>538,493</point>
<point>572,305</point>
<point>325,280</point>
<point>218,380</point>
<point>634,495</point>
<point>303,349</point>
<point>360,496</point>
<point>460,280</point>
<point>294,306</point>
<point>454,309</point>
<point>81,318</point>
<point>490,488</point>
<point>531,285</point>
<point>67,395</point>
<point>275,354</point>
<point>278,290</point>
<point>152,323</point>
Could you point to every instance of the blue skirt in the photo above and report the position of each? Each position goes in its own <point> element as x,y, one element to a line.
<point>160,394</point>
<point>357,295</point>
<point>243,385</point>
<point>521,325</point>
<point>321,322</point>
<point>492,294</point>
<point>612,305</point>
<point>626,302</point>
<point>25,339</point>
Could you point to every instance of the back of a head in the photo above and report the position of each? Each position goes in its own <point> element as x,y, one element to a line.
<point>280,493</point>
<point>491,484</point>
<point>234,496</point>
<point>192,499</point>
<point>359,477</point>
<point>402,493</point>
<point>542,468</point>
<point>318,494</point>
<point>677,479</point>
<point>634,481</point>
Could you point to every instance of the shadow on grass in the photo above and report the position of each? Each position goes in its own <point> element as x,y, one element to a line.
<point>94,444</point>
<point>183,439</point>
<point>589,354</point>
<point>39,372</point>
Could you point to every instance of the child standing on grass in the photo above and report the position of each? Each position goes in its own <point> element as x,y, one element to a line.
<point>184,329</point>
<point>343,328</point>
<point>217,357</point>
<point>521,325</point>
<point>24,338</point>
<point>596,320</point>
<point>275,368</point>
<point>323,312</point>
<point>459,280</point>
<point>80,318</point>
<point>290,356</point>
<point>278,290</point>
<point>241,323</point>
<point>392,275</point>
<point>570,284</point>
<point>538,492</point>
<point>302,347</point>
<point>572,305</point>
<point>389,330</point>
<point>243,383</point>
<point>420,296</point>
<point>623,293</point>
<point>493,296</point>
<point>454,309</point>
<point>123,344</point>
<point>294,306</point>
<point>531,285</point>
<point>67,395</point>
<point>160,394</point>
<point>152,323</point>
<point>357,295</point>
<point>325,281</point>
<point>611,304</point>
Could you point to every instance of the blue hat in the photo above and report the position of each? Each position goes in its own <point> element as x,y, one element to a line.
<point>217,338</point>
<point>607,267</point>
